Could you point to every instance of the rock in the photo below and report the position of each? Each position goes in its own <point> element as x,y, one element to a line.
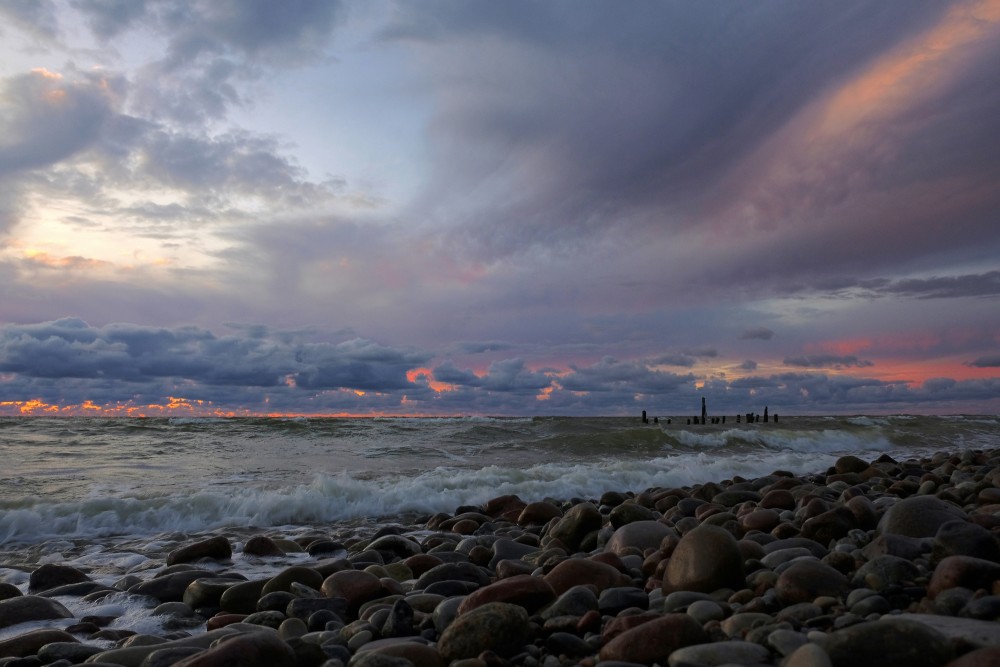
<point>575,601</point>
<point>295,574</point>
<point>507,549</point>
<point>654,640</point>
<point>983,657</point>
<point>889,641</point>
<point>497,626</point>
<point>395,547</point>
<point>355,586</point>
<point>964,633</point>
<point>167,657</point>
<point>30,608</point>
<point>260,545</point>
<point>132,656</point>
<point>764,520</point>
<point>963,571</point>
<point>780,499</point>
<point>170,587</point>
<point>580,520</point>
<point>29,643</point>
<point>530,592</point>
<point>730,498</point>
<point>452,572</point>
<point>961,538</point>
<point>399,622</point>
<point>883,572</point>
<point>303,608</point>
<point>808,655</point>
<point>51,575</point>
<point>241,598</point>
<point>420,654</point>
<point>253,649</point>
<point>641,535</point>
<point>734,652</point>
<point>71,650</point>
<point>706,559</point>
<point>830,525</point>
<point>919,516</point>
<point>804,581</point>
<point>616,599</point>
<point>630,512</point>
<point>206,591</point>
<point>568,644</point>
<point>377,659</point>
<point>576,571</point>
<point>8,591</point>
<point>538,514</point>
<point>216,548</point>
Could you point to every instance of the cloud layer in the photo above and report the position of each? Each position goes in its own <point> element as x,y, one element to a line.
<point>514,207</point>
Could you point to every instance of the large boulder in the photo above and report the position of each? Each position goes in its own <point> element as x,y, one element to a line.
<point>919,516</point>
<point>497,626</point>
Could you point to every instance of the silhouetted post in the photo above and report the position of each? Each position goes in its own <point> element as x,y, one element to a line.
<point>704,410</point>
<point>737,419</point>
<point>656,420</point>
<point>775,417</point>
<point>765,414</point>
<point>723,419</point>
<point>644,420</point>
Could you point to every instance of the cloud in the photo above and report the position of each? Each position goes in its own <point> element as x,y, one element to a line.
<point>46,117</point>
<point>749,365</point>
<point>757,333</point>
<point>947,287</point>
<point>990,361</point>
<point>827,361</point>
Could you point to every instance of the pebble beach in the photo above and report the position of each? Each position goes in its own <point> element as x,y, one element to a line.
<point>887,561</point>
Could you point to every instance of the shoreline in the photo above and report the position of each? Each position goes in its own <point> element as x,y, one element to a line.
<point>897,559</point>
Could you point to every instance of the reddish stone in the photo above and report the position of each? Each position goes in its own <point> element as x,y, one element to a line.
<point>655,641</point>
<point>538,514</point>
<point>355,586</point>
<point>465,527</point>
<point>706,559</point>
<point>620,624</point>
<point>222,620</point>
<point>780,499</point>
<point>763,520</point>
<point>525,590</point>
<point>421,563</point>
<point>963,571</point>
<point>576,571</point>
<point>503,504</point>
<point>988,656</point>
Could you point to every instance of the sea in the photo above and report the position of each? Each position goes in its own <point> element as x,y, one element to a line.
<point>111,496</point>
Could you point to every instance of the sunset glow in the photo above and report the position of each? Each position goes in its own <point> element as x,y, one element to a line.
<point>392,209</point>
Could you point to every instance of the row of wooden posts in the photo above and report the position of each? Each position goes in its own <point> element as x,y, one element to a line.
<point>750,417</point>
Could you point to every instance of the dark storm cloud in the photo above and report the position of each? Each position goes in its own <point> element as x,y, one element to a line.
<point>990,361</point>
<point>610,374</point>
<point>947,287</point>
<point>757,333</point>
<point>598,128</point>
<point>827,361</point>
<point>37,16</point>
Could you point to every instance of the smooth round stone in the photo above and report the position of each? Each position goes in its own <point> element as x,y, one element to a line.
<point>445,613</point>
<point>166,657</point>
<point>575,571</point>
<point>808,655</point>
<point>704,611</point>
<point>678,600</point>
<point>873,604</point>
<point>613,601</point>
<point>735,652</point>
<point>31,642</point>
<point>764,520</point>
<point>207,591</point>
<point>799,613</point>
<point>297,574</point>
<point>240,598</point>
<point>215,548</point>
<point>576,524</point>
<point>261,545</point>
<point>985,608</point>
<point>982,657</point>
<point>360,639</point>
<point>538,513</point>
<point>960,538</point>
<point>568,644</point>
<point>355,586</point>
<point>951,601</point>
<point>576,601</point>
<point>458,571</point>
<point>919,516</point>
<point>252,649</point>
<point>706,559</point>
<point>497,626</point>
<point>805,580</point>
<point>776,558</point>
<point>178,609</point>
<point>654,640</point>
<point>786,642</point>
<point>640,534</point>
<point>524,590</point>
<point>630,512</point>
<point>815,548</point>
<point>739,624</point>
<point>292,627</point>
<point>51,575</point>
<point>780,499</point>
<point>30,608</point>
<point>883,572</point>
<point>419,654</point>
<point>395,546</point>
<point>304,608</point>
<point>963,571</point>
<point>890,641</point>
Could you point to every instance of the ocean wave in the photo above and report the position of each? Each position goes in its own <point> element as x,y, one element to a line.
<point>342,496</point>
<point>826,441</point>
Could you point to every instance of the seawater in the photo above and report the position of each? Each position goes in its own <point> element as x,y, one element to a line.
<point>80,478</point>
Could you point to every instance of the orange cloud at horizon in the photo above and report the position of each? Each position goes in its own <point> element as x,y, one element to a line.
<point>414,374</point>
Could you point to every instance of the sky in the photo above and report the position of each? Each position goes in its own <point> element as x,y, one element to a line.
<point>468,207</point>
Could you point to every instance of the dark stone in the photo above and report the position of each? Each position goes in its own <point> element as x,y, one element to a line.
<point>30,608</point>
<point>919,516</point>
<point>889,641</point>
<point>216,548</point>
<point>51,575</point>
